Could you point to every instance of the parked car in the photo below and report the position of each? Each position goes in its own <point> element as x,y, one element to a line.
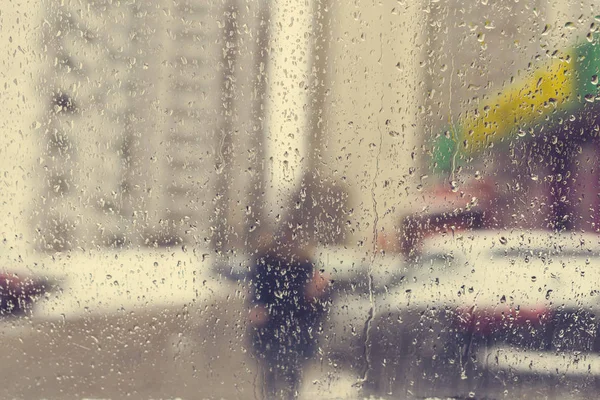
<point>19,292</point>
<point>478,308</point>
<point>348,268</point>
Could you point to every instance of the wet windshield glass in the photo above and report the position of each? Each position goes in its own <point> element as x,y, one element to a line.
<point>319,199</point>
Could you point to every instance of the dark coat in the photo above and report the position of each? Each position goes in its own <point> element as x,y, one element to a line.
<point>279,284</point>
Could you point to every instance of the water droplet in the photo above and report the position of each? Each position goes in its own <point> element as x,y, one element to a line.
<point>503,240</point>
<point>570,25</point>
<point>594,79</point>
<point>546,29</point>
<point>394,134</point>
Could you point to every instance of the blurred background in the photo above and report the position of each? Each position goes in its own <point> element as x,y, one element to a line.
<point>147,145</point>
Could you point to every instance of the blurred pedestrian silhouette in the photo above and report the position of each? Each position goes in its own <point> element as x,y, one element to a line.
<point>288,302</point>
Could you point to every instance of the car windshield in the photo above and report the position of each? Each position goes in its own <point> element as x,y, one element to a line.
<point>284,199</point>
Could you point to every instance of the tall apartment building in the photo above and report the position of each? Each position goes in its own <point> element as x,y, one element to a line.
<point>130,130</point>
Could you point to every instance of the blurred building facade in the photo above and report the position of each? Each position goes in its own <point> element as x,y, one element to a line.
<point>132,109</point>
<point>130,141</point>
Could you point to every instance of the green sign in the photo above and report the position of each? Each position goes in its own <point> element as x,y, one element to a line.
<point>562,85</point>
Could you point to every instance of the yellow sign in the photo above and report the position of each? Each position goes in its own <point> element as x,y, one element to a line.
<point>523,103</point>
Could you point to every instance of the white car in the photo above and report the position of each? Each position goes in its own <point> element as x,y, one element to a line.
<point>475,308</point>
<point>348,268</point>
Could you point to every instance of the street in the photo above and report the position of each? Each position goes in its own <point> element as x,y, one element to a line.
<point>190,351</point>
<point>193,351</point>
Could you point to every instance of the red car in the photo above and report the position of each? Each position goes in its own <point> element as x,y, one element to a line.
<point>18,293</point>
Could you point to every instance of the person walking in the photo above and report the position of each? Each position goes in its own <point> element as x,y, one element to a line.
<point>288,302</point>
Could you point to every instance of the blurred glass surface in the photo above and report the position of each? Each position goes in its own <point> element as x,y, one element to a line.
<point>299,199</point>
